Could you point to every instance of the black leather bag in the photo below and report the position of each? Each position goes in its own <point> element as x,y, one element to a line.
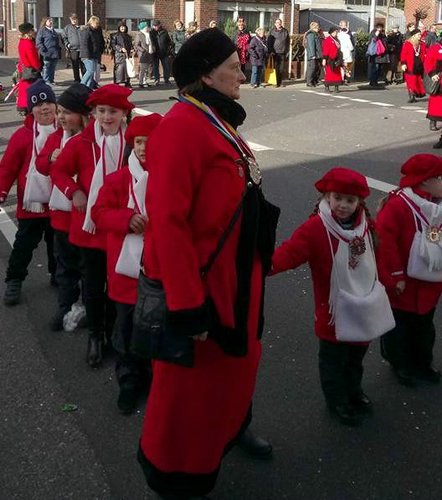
<point>30,74</point>
<point>431,87</point>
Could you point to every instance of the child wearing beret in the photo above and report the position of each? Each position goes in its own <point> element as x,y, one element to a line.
<point>73,116</point>
<point>79,174</point>
<point>120,212</point>
<point>351,306</point>
<point>409,226</point>
<point>17,163</point>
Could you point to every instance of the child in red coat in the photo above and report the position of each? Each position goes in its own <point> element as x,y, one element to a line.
<point>17,163</point>
<point>73,116</point>
<point>121,213</point>
<point>351,306</point>
<point>410,266</point>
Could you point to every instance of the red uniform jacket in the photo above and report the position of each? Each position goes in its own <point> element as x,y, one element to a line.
<point>396,228</point>
<point>407,55</point>
<point>77,159</point>
<point>433,65</point>
<point>28,56</point>
<point>15,164</point>
<point>330,52</point>
<point>112,216</point>
<point>60,219</point>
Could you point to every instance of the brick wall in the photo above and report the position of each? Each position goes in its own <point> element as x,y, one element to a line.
<point>205,11</point>
<point>412,5</point>
<point>167,11</point>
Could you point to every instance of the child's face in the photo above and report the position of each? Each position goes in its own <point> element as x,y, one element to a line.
<point>140,147</point>
<point>433,186</point>
<point>109,118</point>
<point>69,120</point>
<point>342,205</point>
<point>44,113</point>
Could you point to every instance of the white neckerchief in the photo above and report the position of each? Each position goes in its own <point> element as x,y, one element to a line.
<point>111,155</point>
<point>58,200</point>
<point>40,135</point>
<point>138,185</point>
<point>358,280</point>
<point>430,251</point>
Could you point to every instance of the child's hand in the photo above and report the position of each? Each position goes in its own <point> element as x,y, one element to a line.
<point>404,67</point>
<point>79,200</point>
<point>2,199</point>
<point>137,223</point>
<point>55,154</point>
<point>400,287</point>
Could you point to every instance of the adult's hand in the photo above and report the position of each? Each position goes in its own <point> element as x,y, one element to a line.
<point>79,201</point>
<point>202,336</point>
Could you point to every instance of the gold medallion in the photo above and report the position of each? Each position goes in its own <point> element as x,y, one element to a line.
<point>433,234</point>
<point>255,172</point>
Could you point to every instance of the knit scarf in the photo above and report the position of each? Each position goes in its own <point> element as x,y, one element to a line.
<point>430,216</point>
<point>354,265</point>
<point>40,135</point>
<point>111,156</point>
<point>137,188</point>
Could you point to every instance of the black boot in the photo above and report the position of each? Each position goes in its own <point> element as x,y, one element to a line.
<point>433,126</point>
<point>127,399</point>
<point>56,323</point>
<point>336,88</point>
<point>94,356</point>
<point>254,446</point>
<point>346,414</point>
<point>12,293</point>
<point>438,145</point>
<point>411,97</point>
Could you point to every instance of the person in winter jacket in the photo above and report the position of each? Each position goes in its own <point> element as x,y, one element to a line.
<point>241,38</point>
<point>313,47</point>
<point>48,45</point>
<point>278,43</point>
<point>122,48</point>
<point>346,41</point>
<point>71,40</point>
<point>163,46</point>
<point>258,56</point>
<point>433,67</point>
<point>144,48</point>
<point>394,47</point>
<point>79,173</point>
<point>376,63</point>
<point>412,63</point>
<point>410,267</point>
<point>17,162</point>
<point>91,49</point>
<point>73,116</point>
<point>178,36</point>
<point>120,212</point>
<point>336,242</point>
<point>332,59</point>
<point>27,58</point>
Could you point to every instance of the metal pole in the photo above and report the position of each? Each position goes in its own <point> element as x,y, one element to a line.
<point>85,11</point>
<point>292,23</point>
<point>372,14</point>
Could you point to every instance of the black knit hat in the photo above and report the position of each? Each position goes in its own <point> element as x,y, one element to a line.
<point>74,98</point>
<point>38,93</point>
<point>25,28</point>
<point>200,54</point>
<point>332,29</point>
<point>414,32</point>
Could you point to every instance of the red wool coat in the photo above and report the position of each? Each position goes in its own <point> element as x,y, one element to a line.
<point>15,164</point>
<point>414,81</point>
<point>330,52</point>
<point>396,228</point>
<point>60,219</point>
<point>77,159</point>
<point>27,56</point>
<point>111,216</point>
<point>196,180</point>
<point>433,65</point>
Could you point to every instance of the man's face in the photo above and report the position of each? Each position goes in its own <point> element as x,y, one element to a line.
<point>343,25</point>
<point>74,21</point>
<point>278,24</point>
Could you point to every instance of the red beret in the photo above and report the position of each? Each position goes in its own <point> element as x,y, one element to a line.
<point>419,168</point>
<point>113,95</point>
<point>141,126</point>
<point>345,181</point>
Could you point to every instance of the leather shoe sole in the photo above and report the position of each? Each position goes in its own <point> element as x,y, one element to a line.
<point>255,446</point>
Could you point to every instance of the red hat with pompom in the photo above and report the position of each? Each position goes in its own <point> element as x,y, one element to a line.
<point>112,95</point>
<point>419,168</point>
<point>141,126</point>
<point>343,180</point>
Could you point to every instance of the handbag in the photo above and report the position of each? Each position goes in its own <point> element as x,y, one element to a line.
<point>270,72</point>
<point>40,187</point>
<point>431,87</point>
<point>128,262</point>
<point>372,48</point>
<point>130,67</point>
<point>30,74</point>
<point>380,48</point>
<point>417,268</point>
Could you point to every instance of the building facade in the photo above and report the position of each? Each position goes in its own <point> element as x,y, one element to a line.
<point>433,10</point>
<point>256,13</point>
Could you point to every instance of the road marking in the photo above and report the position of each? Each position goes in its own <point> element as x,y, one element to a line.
<point>143,112</point>
<point>421,111</point>
<point>385,187</point>
<point>7,227</point>
<point>355,99</point>
<point>386,104</point>
<point>412,108</point>
<point>258,147</point>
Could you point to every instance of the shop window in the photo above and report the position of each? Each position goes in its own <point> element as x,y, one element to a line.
<point>12,15</point>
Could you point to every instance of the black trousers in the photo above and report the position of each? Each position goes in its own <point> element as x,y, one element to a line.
<point>279,67</point>
<point>340,370</point>
<point>409,345</point>
<point>313,72</point>
<point>29,234</point>
<point>77,65</point>
<point>129,368</point>
<point>100,310</point>
<point>68,272</point>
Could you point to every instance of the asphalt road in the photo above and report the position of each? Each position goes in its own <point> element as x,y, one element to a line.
<point>46,453</point>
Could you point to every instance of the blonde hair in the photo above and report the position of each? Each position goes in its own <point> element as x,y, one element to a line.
<point>260,28</point>
<point>92,19</point>
<point>313,24</point>
<point>43,21</point>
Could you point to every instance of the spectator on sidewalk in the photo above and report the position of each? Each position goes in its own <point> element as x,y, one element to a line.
<point>48,45</point>
<point>431,38</point>
<point>258,56</point>
<point>278,44</point>
<point>91,48</point>
<point>144,49</point>
<point>241,38</point>
<point>163,46</point>
<point>394,48</point>
<point>122,48</point>
<point>178,36</point>
<point>376,63</point>
<point>313,47</point>
<point>71,40</point>
<point>346,40</point>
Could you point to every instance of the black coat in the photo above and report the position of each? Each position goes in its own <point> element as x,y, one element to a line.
<point>71,37</point>
<point>178,38</point>
<point>258,51</point>
<point>121,41</point>
<point>161,41</point>
<point>91,43</point>
<point>48,43</point>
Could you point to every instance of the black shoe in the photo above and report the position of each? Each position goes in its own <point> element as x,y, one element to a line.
<point>429,374</point>
<point>336,88</point>
<point>254,446</point>
<point>53,281</point>
<point>127,399</point>
<point>433,126</point>
<point>438,144</point>
<point>361,403</point>
<point>56,323</point>
<point>94,356</point>
<point>405,377</point>
<point>12,293</point>
<point>346,414</point>
<point>411,98</point>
